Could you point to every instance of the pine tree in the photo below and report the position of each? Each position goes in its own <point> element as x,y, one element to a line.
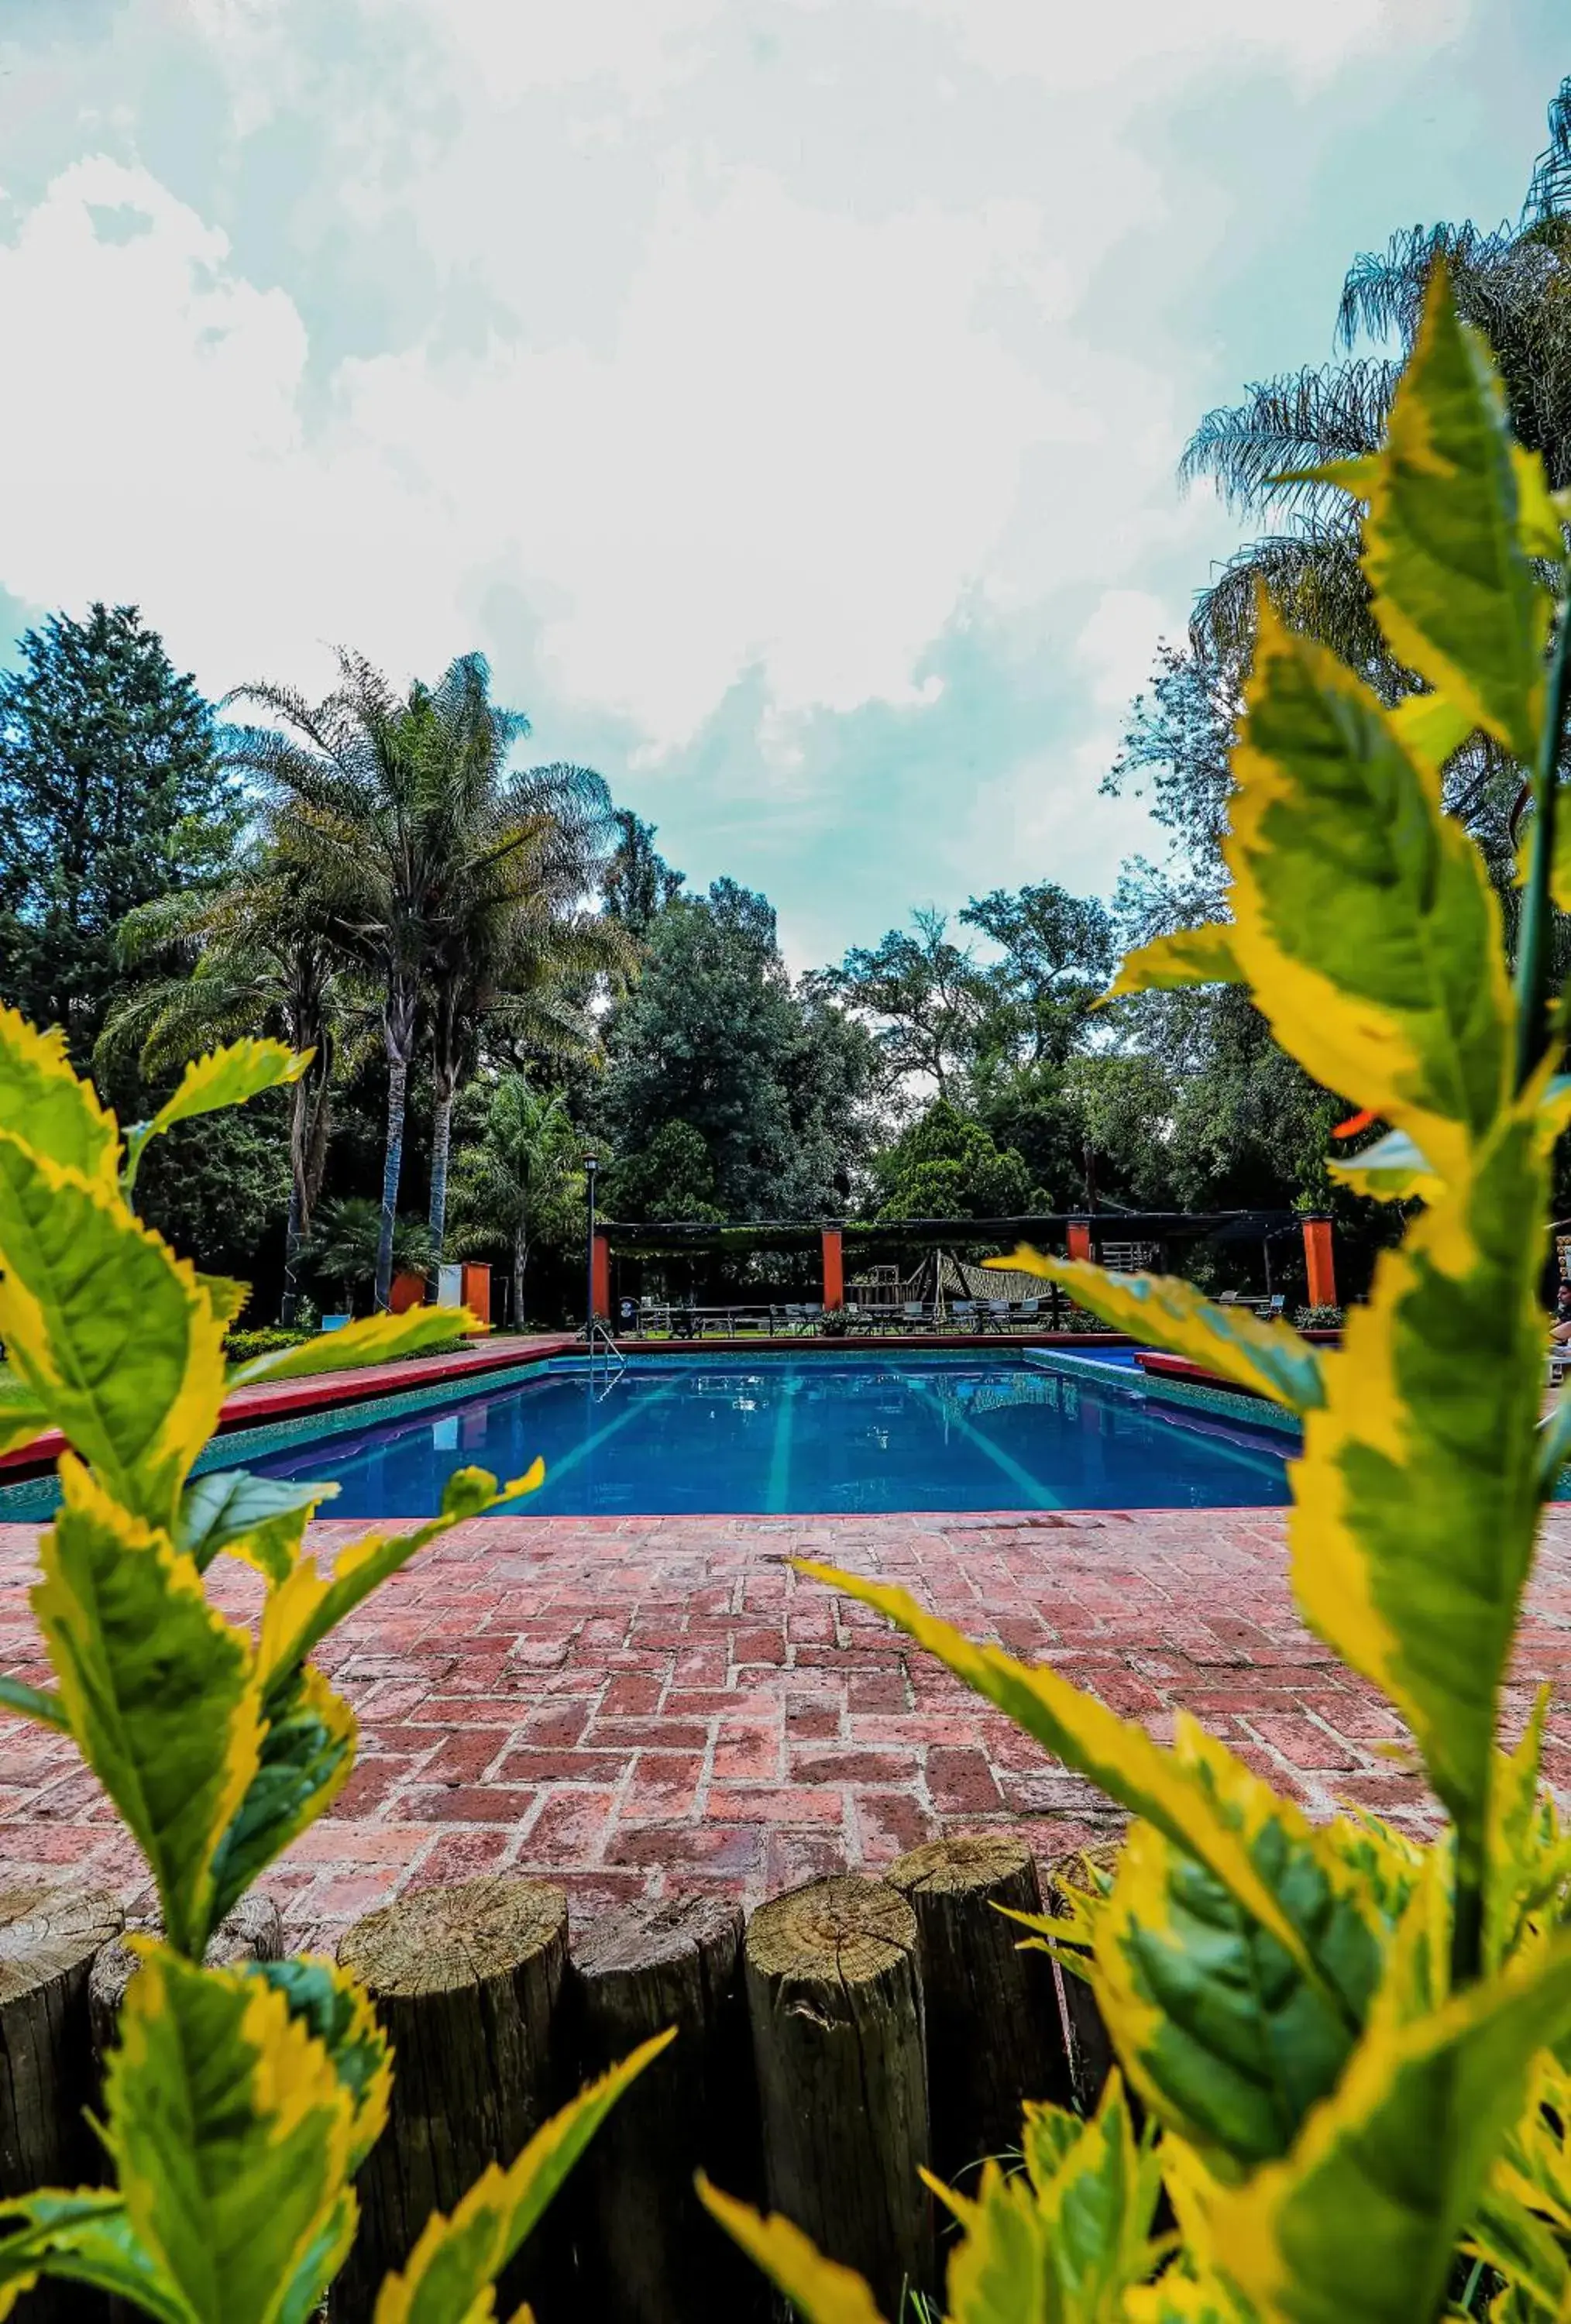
<point>111,793</point>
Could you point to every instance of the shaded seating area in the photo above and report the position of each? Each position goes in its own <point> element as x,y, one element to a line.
<point>677,1281</point>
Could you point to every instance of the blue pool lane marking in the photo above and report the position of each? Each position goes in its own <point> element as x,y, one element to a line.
<point>580,1451</point>
<point>777,1489</point>
<point>1036,1495</point>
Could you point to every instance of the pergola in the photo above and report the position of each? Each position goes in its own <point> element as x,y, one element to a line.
<point>1081,1234</point>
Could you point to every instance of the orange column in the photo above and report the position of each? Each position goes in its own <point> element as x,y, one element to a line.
<point>474,1289</point>
<point>600,1278</point>
<point>1080,1238</point>
<point>833,1268</point>
<point>1321,1265</point>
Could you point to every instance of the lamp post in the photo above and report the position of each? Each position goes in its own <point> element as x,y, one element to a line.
<point>591,1164</point>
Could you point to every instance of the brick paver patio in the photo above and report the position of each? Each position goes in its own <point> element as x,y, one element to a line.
<point>646,1705</point>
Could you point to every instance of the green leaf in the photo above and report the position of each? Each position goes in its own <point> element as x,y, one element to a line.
<point>107,1329</point>
<point>1117,1754</point>
<point>210,1084</point>
<point>457,2257</point>
<point>1554,1445</point>
<point>1393,1170</point>
<point>231,2133</point>
<point>300,1613</point>
<point>1269,1358</point>
<point>1188,956</point>
<point>1217,2025</point>
<point>1416,1503</point>
<point>818,2289</point>
<point>1066,2239</point>
<point>83,2237</point>
<point>336,2010</point>
<point>32,1702</point>
<point>1363,915</point>
<point>1454,590</point>
<point>1431,728</point>
<point>23,1415</point>
<point>160,1690</point>
<point>260,1518</point>
<point>1358,2224</point>
<point>307,1749</point>
<point>372,1340</point>
<point>42,1098</point>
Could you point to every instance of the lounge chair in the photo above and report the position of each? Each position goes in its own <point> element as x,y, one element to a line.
<point>964,1311</point>
<point>914,1315</point>
<point>1026,1313</point>
<point>997,1317</point>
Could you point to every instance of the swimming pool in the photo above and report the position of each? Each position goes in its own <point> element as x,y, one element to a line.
<point>807,1435</point>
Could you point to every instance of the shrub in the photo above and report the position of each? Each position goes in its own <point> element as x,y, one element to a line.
<point>1353,2052</point>
<point>240,2102</point>
<point>240,1347</point>
<point>1318,1319</point>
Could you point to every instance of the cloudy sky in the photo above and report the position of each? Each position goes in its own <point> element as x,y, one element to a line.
<point>784,394</point>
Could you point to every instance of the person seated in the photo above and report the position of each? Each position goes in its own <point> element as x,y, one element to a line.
<point>1560,1329</point>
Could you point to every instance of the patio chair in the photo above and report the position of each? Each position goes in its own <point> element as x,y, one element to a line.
<point>795,1318</point>
<point>812,1314</point>
<point>997,1316</point>
<point>914,1315</point>
<point>964,1310</point>
<point>1026,1313</point>
<point>1276,1307</point>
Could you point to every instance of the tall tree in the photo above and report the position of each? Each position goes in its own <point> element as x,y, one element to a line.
<point>352,797</point>
<point>111,793</point>
<point>248,956</point>
<point>924,994</point>
<point>1513,282</point>
<point>513,948</point>
<point>638,883</point>
<point>1057,954</point>
<point>772,1077</point>
<point>521,1181</point>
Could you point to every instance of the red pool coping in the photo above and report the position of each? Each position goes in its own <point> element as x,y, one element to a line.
<point>263,1400</point>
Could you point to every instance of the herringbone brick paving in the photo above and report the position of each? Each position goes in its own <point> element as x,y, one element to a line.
<point>647,1705</point>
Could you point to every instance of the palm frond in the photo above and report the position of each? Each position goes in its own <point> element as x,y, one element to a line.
<point>1298,420</point>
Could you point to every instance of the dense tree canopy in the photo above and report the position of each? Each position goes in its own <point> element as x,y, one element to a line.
<point>111,793</point>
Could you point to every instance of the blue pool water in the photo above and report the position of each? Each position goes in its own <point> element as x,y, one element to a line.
<point>807,1436</point>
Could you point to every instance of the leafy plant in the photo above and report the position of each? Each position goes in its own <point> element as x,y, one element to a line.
<point>240,2102</point>
<point>343,1248</point>
<point>1353,2053</point>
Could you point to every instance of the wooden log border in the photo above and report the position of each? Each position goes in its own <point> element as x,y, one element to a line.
<point>499,2013</point>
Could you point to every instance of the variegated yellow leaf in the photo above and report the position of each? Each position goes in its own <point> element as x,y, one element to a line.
<point>210,1084</point>
<point>83,2237</point>
<point>307,1749</point>
<point>821,2290</point>
<point>23,1415</point>
<point>1272,1359</point>
<point>107,1329</point>
<point>1217,2027</point>
<point>1416,1502</point>
<point>1188,956</point>
<point>306,1604</point>
<point>1118,1755</point>
<point>1392,1170</point>
<point>260,1519</point>
<point>232,2133</point>
<point>456,2259</point>
<point>1358,2224</point>
<point>372,1339</point>
<point>160,1691</point>
<point>1364,917</point>
<point>1450,496</point>
<point>1432,728</point>
<point>43,1101</point>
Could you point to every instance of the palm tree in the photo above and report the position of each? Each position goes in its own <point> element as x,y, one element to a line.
<point>512,948</point>
<point>245,957</point>
<point>1513,283</point>
<point>522,1180</point>
<point>347,1245</point>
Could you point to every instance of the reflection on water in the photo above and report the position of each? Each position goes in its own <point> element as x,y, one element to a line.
<point>810,1435</point>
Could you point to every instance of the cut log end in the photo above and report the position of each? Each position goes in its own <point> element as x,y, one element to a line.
<point>48,1933</point>
<point>444,1940</point>
<point>667,1934</point>
<point>254,1931</point>
<point>963,1865</point>
<point>847,1931</point>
